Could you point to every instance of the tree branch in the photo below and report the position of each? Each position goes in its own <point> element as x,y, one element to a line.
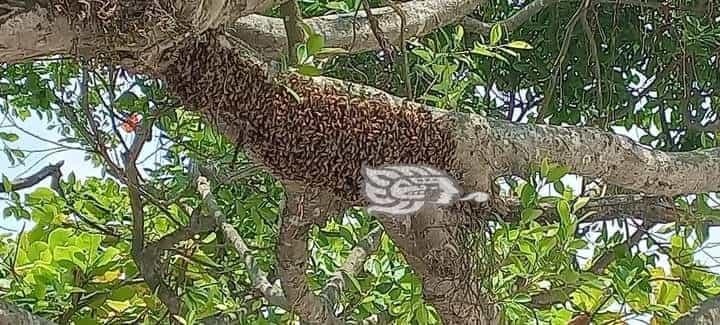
<point>561,294</point>
<point>258,278</point>
<point>52,171</point>
<point>616,159</point>
<point>352,266</point>
<point>13,315</point>
<point>295,35</point>
<point>473,25</point>
<point>305,207</point>
<point>650,208</point>
<point>267,35</point>
<point>708,313</point>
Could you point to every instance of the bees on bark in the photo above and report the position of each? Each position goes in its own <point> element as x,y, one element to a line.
<point>321,138</point>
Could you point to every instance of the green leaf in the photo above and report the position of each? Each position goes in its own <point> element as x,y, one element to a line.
<point>528,215</point>
<point>509,51</point>
<point>306,28</point>
<point>330,51</point>
<point>309,70</point>
<point>7,184</point>
<point>42,194</point>
<point>556,173</point>
<point>496,34</point>
<point>123,293</point>
<point>520,45</point>
<point>423,54</point>
<point>315,43</point>
<point>10,137</point>
<point>107,256</point>
<point>563,208</point>
<point>580,203</point>
<point>85,320</point>
<point>482,50</point>
<point>59,237</point>
<point>338,5</point>
<point>459,34</point>
<point>522,298</point>
<point>647,139</point>
<point>545,167</point>
<point>301,52</point>
<point>527,196</point>
<point>421,314</point>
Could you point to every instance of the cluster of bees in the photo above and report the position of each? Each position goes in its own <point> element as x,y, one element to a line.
<point>302,132</point>
<point>114,16</point>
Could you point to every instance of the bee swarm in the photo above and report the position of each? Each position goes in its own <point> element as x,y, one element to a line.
<point>323,139</point>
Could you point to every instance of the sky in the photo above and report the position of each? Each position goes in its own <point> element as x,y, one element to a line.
<point>74,162</point>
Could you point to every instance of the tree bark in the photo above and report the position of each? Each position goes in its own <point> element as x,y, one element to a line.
<point>353,33</point>
<point>13,315</point>
<point>708,313</point>
<point>318,132</point>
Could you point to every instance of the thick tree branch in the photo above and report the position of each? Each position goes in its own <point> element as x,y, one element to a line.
<point>588,152</point>
<point>305,207</point>
<point>268,36</point>
<point>13,315</point>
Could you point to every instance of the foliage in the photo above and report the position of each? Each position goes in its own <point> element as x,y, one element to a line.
<point>75,262</point>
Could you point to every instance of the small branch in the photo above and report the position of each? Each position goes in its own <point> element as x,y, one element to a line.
<point>147,259</point>
<point>560,61</point>
<point>382,40</point>
<point>592,46</point>
<point>473,25</point>
<point>605,259</point>
<point>52,171</point>
<point>295,35</point>
<point>650,208</point>
<point>561,294</point>
<point>352,266</point>
<point>267,35</point>
<point>273,294</point>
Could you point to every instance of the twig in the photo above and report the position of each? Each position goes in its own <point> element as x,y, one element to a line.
<point>559,62</point>
<point>52,170</point>
<point>511,23</point>
<point>273,294</point>
<point>352,266</point>
<point>594,54</point>
<point>382,40</point>
<point>403,50</point>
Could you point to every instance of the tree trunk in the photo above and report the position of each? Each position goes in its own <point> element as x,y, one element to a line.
<point>319,132</point>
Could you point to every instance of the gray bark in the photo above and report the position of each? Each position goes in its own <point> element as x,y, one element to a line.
<point>267,34</point>
<point>483,149</point>
<point>708,313</point>
<point>13,315</point>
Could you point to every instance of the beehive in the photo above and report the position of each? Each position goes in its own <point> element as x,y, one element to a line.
<point>324,138</point>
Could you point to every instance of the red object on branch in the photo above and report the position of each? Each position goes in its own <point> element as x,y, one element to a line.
<point>131,122</point>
